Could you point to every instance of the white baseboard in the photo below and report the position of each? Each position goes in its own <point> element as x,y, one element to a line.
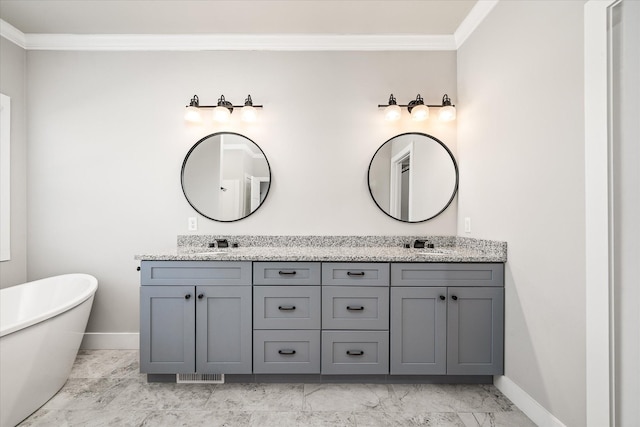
<point>111,341</point>
<point>527,404</point>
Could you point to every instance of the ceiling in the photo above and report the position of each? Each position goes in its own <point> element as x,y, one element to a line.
<point>416,17</point>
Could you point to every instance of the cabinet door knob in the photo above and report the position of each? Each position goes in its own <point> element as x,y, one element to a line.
<point>355,308</point>
<point>138,269</point>
<point>287,352</point>
<point>442,297</point>
<point>187,296</point>
<point>355,353</point>
<point>453,297</point>
<point>286,307</point>
<point>200,296</point>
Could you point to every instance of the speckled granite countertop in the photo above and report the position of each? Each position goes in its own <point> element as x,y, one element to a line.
<point>334,248</point>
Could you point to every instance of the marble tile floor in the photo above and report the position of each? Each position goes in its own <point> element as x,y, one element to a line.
<point>106,389</point>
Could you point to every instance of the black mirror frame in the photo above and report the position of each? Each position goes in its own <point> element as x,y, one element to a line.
<point>184,163</point>
<point>455,166</point>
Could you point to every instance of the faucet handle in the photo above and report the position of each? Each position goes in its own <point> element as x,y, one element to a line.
<point>419,244</point>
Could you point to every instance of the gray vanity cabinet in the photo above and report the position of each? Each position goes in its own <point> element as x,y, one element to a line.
<point>286,317</point>
<point>418,330</point>
<point>355,318</point>
<point>167,340</point>
<point>195,317</point>
<point>447,318</point>
<point>475,331</point>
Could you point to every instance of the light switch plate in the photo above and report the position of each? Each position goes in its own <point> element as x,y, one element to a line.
<point>467,225</point>
<point>193,223</point>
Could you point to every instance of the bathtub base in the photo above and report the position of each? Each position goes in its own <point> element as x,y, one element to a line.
<point>36,362</point>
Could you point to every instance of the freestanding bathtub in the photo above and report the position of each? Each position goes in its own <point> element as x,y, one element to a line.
<point>41,326</point>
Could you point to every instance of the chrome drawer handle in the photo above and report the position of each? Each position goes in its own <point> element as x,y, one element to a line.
<point>355,308</point>
<point>355,274</point>
<point>286,352</point>
<point>286,307</point>
<point>287,273</point>
<point>355,353</point>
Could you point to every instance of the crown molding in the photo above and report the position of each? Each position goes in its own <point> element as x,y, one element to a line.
<point>12,34</point>
<point>222,42</point>
<point>261,42</point>
<point>475,17</point>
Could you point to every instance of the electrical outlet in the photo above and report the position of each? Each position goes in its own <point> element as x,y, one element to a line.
<point>467,225</point>
<point>193,223</point>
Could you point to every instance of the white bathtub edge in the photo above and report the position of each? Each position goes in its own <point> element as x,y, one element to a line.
<point>110,341</point>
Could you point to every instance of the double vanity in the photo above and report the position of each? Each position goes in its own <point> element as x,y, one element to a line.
<point>323,308</point>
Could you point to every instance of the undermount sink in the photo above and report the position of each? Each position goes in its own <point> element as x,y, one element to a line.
<point>436,252</point>
<point>212,253</point>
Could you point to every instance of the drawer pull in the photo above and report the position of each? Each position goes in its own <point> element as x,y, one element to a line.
<point>287,273</point>
<point>355,308</point>
<point>355,353</point>
<point>286,307</point>
<point>355,274</point>
<point>286,352</point>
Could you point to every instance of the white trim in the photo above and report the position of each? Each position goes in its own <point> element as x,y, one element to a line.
<point>395,195</point>
<point>527,404</point>
<point>5,177</point>
<point>111,341</point>
<point>12,34</point>
<point>226,42</point>
<point>475,17</point>
<point>596,113</point>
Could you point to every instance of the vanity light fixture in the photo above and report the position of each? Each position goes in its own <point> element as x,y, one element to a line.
<point>418,109</point>
<point>222,110</point>
<point>391,111</point>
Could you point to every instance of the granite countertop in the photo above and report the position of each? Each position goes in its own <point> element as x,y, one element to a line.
<point>448,249</point>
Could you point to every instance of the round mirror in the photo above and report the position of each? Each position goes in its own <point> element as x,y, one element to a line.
<point>413,177</point>
<point>225,176</point>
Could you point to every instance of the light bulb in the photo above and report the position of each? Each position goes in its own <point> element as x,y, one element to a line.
<point>192,114</point>
<point>221,114</point>
<point>447,113</point>
<point>248,113</point>
<point>420,112</point>
<point>392,112</point>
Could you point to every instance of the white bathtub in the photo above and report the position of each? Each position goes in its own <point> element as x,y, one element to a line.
<point>41,326</point>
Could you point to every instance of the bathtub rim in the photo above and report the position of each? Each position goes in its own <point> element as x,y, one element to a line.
<point>73,302</point>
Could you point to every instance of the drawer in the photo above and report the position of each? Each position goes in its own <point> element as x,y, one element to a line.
<point>447,274</point>
<point>355,352</point>
<point>355,273</point>
<point>286,273</point>
<point>195,273</point>
<point>351,307</point>
<point>286,352</point>
<point>286,307</point>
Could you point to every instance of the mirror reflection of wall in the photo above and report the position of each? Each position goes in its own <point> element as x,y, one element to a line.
<point>225,176</point>
<point>413,177</point>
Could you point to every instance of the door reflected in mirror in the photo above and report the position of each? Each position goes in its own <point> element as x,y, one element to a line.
<point>225,176</point>
<point>413,177</point>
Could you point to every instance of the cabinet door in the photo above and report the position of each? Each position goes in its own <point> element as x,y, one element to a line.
<point>475,331</point>
<point>418,331</point>
<point>223,329</point>
<point>167,321</point>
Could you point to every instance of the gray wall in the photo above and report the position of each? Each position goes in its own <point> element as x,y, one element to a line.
<point>521,152</point>
<point>107,139</point>
<point>13,84</point>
